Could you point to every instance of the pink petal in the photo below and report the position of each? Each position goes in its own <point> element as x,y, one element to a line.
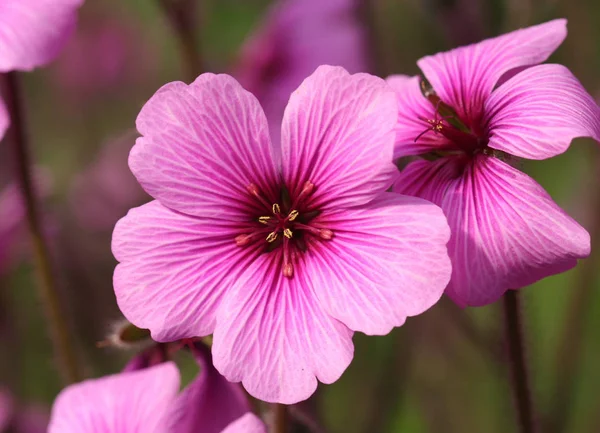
<point>32,32</point>
<point>210,402</point>
<point>174,270</point>
<point>506,230</point>
<point>249,423</point>
<point>387,260</point>
<point>6,409</point>
<point>537,113</point>
<point>413,112</point>
<point>202,146</point>
<point>126,402</point>
<point>273,335</point>
<point>4,119</point>
<point>338,133</point>
<point>464,77</point>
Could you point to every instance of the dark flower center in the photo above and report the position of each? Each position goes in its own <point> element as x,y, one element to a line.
<point>287,224</point>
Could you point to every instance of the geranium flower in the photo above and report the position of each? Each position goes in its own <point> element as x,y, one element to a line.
<point>32,32</point>
<point>481,107</point>
<point>281,258</point>
<point>4,119</point>
<point>146,401</point>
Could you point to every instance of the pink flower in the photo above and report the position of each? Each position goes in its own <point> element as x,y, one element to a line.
<point>281,259</point>
<point>137,401</point>
<point>294,39</point>
<point>28,419</point>
<point>488,106</point>
<point>4,119</point>
<point>32,32</point>
<point>11,217</point>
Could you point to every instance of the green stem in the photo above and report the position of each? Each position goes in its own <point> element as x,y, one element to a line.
<point>181,16</point>
<point>47,286</point>
<point>518,364</point>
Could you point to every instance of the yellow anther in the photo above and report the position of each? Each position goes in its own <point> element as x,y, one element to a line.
<point>272,237</point>
<point>287,233</point>
<point>276,209</point>
<point>293,215</point>
<point>264,219</point>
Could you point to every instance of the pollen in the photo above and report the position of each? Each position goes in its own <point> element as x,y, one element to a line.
<point>288,233</point>
<point>293,215</point>
<point>272,237</point>
<point>276,209</point>
<point>264,219</point>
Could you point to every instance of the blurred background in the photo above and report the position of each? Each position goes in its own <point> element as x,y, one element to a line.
<point>443,371</point>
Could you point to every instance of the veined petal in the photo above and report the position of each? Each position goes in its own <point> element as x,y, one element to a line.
<point>4,119</point>
<point>387,260</point>
<point>173,270</point>
<point>127,402</point>
<point>273,335</point>
<point>202,146</point>
<point>32,32</point>
<point>464,77</point>
<point>537,113</point>
<point>506,230</point>
<point>249,423</point>
<point>338,133</point>
<point>413,112</point>
<point>210,403</point>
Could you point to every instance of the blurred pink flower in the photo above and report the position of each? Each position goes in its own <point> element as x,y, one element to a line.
<point>11,216</point>
<point>103,193</point>
<point>119,54</point>
<point>29,419</point>
<point>32,32</point>
<point>294,39</point>
<point>143,401</point>
<point>489,105</point>
<point>4,119</point>
<point>281,259</point>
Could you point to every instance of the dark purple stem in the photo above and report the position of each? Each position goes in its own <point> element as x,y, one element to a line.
<point>280,418</point>
<point>181,16</point>
<point>518,364</point>
<point>48,292</point>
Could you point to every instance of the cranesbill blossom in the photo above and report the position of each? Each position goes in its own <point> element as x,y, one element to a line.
<point>281,258</point>
<point>481,107</point>
<point>131,402</point>
<point>20,418</point>
<point>11,216</point>
<point>295,38</point>
<point>32,32</point>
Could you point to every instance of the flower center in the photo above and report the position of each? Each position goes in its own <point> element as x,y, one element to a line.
<point>288,224</point>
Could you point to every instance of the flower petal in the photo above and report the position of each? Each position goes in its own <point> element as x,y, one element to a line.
<point>506,230</point>
<point>273,335</point>
<point>32,32</point>
<point>127,402</point>
<point>202,146</point>
<point>210,403</point>
<point>174,270</point>
<point>338,133</point>
<point>537,113</point>
<point>4,119</point>
<point>387,260</point>
<point>249,423</point>
<point>464,77</point>
<point>413,112</point>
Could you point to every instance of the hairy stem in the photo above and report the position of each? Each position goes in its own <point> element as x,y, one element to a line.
<point>59,332</point>
<point>280,418</point>
<point>518,364</point>
<point>181,16</point>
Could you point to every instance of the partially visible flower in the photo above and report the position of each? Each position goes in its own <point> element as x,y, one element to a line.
<point>294,39</point>
<point>281,259</point>
<point>6,410</point>
<point>146,401</point>
<point>4,119</point>
<point>104,192</point>
<point>11,217</point>
<point>488,105</point>
<point>119,53</point>
<point>32,32</point>
<point>17,419</point>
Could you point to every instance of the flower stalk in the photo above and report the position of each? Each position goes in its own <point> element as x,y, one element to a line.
<point>518,364</point>
<point>280,418</point>
<point>47,286</point>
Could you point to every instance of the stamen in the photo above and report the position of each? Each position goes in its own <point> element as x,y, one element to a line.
<point>264,219</point>
<point>276,209</point>
<point>242,240</point>
<point>293,215</point>
<point>287,233</point>
<point>288,270</point>
<point>326,234</point>
<point>272,237</point>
